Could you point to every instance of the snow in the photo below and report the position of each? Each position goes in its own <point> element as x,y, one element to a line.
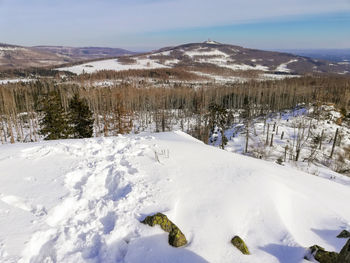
<point>312,160</point>
<point>278,76</point>
<point>171,62</point>
<point>6,81</point>
<point>164,53</point>
<point>221,79</point>
<point>81,201</point>
<point>4,50</point>
<point>112,64</point>
<point>221,59</point>
<point>245,67</point>
<point>104,83</point>
<point>10,48</point>
<point>199,52</point>
<point>284,66</point>
<point>211,42</point>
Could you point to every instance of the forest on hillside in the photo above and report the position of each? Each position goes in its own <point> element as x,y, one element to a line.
<point>127,107</point>
<point>61,106</point>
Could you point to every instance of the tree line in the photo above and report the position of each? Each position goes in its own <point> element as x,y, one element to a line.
<point>127,107</point>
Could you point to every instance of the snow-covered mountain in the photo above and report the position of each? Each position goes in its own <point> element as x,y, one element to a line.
<point>83,200</point>
<point>213,57</point>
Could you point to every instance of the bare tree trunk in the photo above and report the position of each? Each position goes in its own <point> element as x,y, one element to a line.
<point>105,127</point>
<point>98,127</point>
<point>297,154</point>
<point>1,135</point>
<point>271,143</point>
<point>15,123</point>
<point>267,134</point>
<point>255,133</point>
<point>247,138</point>
<point>321,139</point>
<point>21,128</point>
<point>334,142</point>
<point>12,138</point>
<point>35,126</point>
<point>163,121</point>
<point>285,153</point>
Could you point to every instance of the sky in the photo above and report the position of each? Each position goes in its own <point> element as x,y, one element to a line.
<point>143,25</point>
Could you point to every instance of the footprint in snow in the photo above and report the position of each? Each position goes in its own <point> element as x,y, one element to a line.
<point>125,163</point>
<point>108,222</point>
<point>15,201</point>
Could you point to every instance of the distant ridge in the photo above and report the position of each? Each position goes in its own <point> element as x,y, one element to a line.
<point>19,57</point>
<point>211,57</point>
<point>85,53</point>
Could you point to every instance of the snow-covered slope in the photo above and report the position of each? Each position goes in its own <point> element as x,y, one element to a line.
<point>112,64</point>
<point>217,59</point>
<point>81,201</point>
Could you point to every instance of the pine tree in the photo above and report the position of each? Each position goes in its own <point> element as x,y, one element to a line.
<point>54,123</point>
<point>80,118</point>
<point>218,118</point>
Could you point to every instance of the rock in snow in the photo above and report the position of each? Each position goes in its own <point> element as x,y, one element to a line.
<point>239,243</point>
<point>321,255</point>
<point>176,237</point>
<point>83,200</point>
<point>344,234</point>
<point>344,255</point>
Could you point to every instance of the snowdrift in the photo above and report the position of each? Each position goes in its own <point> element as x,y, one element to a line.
<point>83,200</point>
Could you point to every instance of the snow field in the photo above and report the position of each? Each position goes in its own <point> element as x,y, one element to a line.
<point>112,64</point>
<point>92,193</point>
<point>200,52</point>
<point>284,66</point>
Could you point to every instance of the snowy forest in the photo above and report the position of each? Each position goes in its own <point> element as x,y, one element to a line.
<point>59,107</point>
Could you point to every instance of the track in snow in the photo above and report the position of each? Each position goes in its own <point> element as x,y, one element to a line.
<point>85,226</point>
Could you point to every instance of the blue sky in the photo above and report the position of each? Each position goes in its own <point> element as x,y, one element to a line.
<point>150,24</point>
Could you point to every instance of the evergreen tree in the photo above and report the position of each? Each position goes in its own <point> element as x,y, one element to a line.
<point>54,123</point>
<point>80,118</point>
<point>218,118</point>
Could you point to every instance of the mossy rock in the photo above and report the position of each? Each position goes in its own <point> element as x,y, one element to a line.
<point>344,234</point>
<point>161,220</point>
<point>240,245</point>
<point>176,237</point>
<point>344,255</point>
<point>323,256</point>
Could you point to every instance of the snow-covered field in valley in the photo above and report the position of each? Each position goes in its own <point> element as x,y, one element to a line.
<point>83,200</point>
<point>112,64</point>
